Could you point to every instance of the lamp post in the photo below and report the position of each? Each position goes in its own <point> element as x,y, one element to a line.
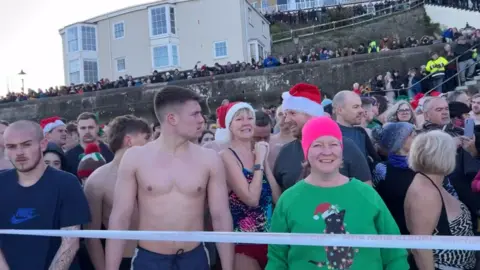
<point>295,41</point>
<point>22,74</point>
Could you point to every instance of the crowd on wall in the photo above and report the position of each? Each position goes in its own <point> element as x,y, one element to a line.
<point>324,15</point>
<point>473,5</point>
<point>202,70</point>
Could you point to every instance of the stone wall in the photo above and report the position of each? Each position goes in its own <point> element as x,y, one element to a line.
<point>258,86</point>
<point>408,23</point>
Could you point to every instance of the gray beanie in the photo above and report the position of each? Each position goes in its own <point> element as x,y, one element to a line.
<point>393,135</point>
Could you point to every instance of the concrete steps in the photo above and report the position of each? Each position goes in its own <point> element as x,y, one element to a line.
<point>474,82</point>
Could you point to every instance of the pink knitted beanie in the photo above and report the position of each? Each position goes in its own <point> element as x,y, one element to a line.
<point>316,128</point>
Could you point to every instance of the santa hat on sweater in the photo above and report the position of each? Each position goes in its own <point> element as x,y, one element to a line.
<point>304,98</point>
<point>225,115</point>
<point>91,161</point>
<point>49,124</point>
<point>324,210</point>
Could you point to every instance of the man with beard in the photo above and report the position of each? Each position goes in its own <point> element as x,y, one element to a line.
<point>348,112</point>
<point>54,130</point>
<point>169,179</point>
<point>125,132</point>
<point>301,104</point>
<point>37,196</point>
<point>87,125</point>
<point>4,162</point>
<point>475,113</point>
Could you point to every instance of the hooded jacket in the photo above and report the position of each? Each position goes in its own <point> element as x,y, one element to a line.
<point>54,148</point>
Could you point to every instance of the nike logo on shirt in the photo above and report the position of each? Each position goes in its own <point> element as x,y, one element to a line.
<point>22,215</point>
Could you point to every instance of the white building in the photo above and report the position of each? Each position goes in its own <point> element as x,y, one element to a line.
<point>163,35</point>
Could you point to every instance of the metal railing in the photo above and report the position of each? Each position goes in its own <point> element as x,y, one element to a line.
<point>311,4</point>
<point>349,22</point>
<point>397,91</point>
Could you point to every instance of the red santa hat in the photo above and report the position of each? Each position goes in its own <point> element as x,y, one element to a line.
<point>225,115</point>
<point>304,98</point>
<point>49,124</point>
<point>325,210</point>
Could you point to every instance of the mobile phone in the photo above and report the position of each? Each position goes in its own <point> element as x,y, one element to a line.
<point>469,128</point>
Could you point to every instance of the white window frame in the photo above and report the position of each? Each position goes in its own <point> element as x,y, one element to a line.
<point>83,69</point>
<point>215,56</point>
<point>168,21</point>
<point>171,63</point>
<point>256,43</point>
<point>95,37</point>
<point>77,70</point>
<point>249,11</point>
<point>76,40</point>
<point>124,64</point>
<point>115,31</point>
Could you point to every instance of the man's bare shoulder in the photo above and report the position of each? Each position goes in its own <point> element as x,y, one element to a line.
<point>97,179</point>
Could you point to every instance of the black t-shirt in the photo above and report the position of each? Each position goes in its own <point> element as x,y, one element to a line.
<point>56,201</point>
<point>288,165</point>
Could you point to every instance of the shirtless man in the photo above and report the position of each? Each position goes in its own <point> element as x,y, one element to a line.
<point>125,132</point>
<point>170,178</point>
<point>5,164</point>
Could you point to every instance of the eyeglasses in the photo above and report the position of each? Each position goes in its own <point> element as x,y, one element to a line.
<point>403,111</point>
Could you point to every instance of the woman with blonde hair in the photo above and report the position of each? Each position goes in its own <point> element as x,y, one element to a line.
<point>430,209</point>
<point>326,202</point>
<point>401,111</point>
<point>252,188</point>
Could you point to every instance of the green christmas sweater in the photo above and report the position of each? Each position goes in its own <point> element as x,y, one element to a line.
<point>353,208</point>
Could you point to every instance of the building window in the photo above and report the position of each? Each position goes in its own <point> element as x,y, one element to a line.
<point>253,51</point>
<point>74,71</point>
<point>119,30</point>
<point>121,65</point>
<point>159,21</point>
<point>249,15</point>
<point>160,57</point>
<point>261,54</point>
<point>89,40</point>
<point>90,71</point>
<point>220,49</point>
<point>72,39</point>
<point>175,55</point>
<point>255,4</point>
<point>172,20</point>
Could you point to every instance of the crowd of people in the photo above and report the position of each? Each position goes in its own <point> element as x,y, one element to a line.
<point>203,70</point>
<point>473,5</point>
<point>351,164</point>
<point>325,14</point>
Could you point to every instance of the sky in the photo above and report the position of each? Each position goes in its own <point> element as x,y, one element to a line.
<point>30,40</point>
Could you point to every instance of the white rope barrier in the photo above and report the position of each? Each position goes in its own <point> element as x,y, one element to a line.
<point>340,240</point>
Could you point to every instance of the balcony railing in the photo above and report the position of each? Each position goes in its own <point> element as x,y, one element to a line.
<point>326,27</point>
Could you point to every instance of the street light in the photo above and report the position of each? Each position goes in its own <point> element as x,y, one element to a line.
<point>22,74</point>
<point>295,41</point>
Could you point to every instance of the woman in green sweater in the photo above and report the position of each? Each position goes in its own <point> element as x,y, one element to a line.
<point>327,202</point>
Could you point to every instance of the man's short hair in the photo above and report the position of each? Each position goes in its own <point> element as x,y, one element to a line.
<point>262,119</point>
<point>472,90</point>
<point>5,123</point>
<point>71,127</point>
<point>28,126</point>
<point>453,96</point>
<point>172,96</point>
<point>125,125</point>
<point>476,96</point>
<point>86,116</point>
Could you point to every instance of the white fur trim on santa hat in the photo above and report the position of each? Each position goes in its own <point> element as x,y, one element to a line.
<point>51,126</point>
<point>301,104</point>
<point>325,214</point>
<point>223,134</point>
